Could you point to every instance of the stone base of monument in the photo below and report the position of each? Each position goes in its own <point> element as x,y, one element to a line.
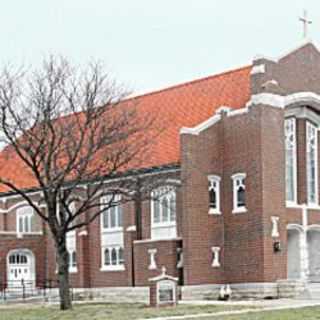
<point>163,290</point>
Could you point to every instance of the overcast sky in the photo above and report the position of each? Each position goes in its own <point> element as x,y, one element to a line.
<point>151,44</point>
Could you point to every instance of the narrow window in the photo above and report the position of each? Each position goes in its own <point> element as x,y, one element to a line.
<point>312,163</point>
<point>165,209</point>
<point>114,257</point>
<point>74,259</point>
<point>163,213</point>
<point>214,194</point>
<point>113,213</point>
<point>107,260</point>
<point>105,218</point>
<point>26,224</point>
<point>21,224</point>
<point>156,211</point>
<point>119,217</point>
<point>172,207</point>
<point>112,217</point>
<point>121,258</point>
<point>24,220</point>
<point>164,205</point>
<point>239,193</point>
<point>291,160</point>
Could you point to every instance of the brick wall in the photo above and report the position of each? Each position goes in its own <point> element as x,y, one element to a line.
<point>166,256</point>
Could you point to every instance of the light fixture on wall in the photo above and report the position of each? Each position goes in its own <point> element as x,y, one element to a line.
<point>276,246</point>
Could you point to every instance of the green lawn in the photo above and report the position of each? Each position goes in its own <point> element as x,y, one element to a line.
<point>309,313</point>
<point>103,312</point>
<point>139,311</point>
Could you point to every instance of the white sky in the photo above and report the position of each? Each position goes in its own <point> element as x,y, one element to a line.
<point>151,44</point>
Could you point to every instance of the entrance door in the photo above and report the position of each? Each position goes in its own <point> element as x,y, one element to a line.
<point>294,259</point>
<point>20,270</point>
<point>313,237</point>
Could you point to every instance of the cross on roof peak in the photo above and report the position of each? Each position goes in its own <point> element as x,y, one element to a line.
<point>304,19</point>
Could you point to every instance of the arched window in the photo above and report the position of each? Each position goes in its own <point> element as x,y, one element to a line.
<point>18,258</point>
<point>112,217</point>
<point>164,205</point>
<point>291,160</point>
<point>241,196</point>
<point>24,220</point>
<point>163,213</point>
<point>214,194</point>
<point>312,163</point>
<point>239,193</point>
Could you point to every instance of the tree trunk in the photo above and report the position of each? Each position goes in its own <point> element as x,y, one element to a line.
<point>63,276</point>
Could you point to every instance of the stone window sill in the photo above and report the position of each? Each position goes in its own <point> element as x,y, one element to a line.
<point>239,210</point>
<point>214,212</point>
<point>113,268</point>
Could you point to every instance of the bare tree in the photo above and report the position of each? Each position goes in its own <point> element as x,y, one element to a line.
<point>71,133</point>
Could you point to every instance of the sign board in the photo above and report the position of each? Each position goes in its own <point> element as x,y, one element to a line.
<point>166,292</point>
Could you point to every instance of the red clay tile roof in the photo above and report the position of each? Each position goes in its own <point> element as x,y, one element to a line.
<point>184,105</point>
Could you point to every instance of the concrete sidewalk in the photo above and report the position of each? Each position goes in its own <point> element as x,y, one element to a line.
<point>253,307</point>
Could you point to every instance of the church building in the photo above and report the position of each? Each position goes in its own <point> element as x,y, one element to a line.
<point>240,154</point>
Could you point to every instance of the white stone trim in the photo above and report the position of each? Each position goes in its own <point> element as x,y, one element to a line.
<point>153,264</point>
<point>303,112</point>
<point>277,59</point>
<point>22,203</point>
<point>237,112</point>
<point>213,120</point>
<point>275,227</point>
<point>112,268</point>
<point>157,240</point>
<point>202,126</point>
<point>303,43</point>
<point>83,233</point>
<point>216,257</point>
<point>258,69</point>
<point>278,101</point>
<point>264,57</point>
<point>223,109</point>
<point>73,269</point>
<point>131,228</point>
<point>14,233</point>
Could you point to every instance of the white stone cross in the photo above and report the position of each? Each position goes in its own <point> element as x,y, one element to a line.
<point>305,22</point>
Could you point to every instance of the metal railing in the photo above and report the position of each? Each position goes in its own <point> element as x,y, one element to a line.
<point>28,289</point>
